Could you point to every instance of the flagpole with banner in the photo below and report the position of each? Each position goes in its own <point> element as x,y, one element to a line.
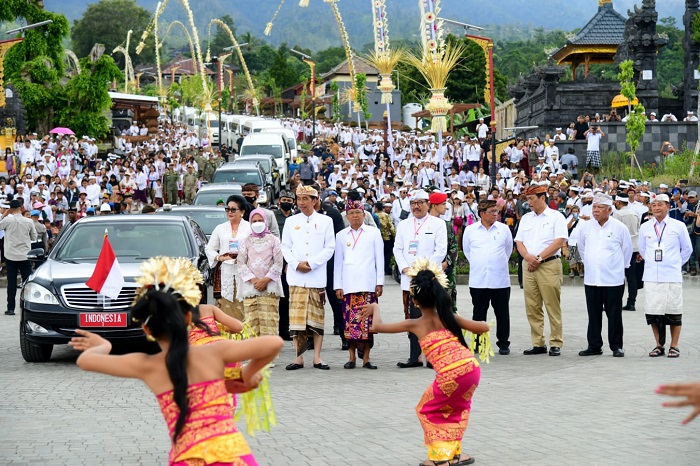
<point>107,278</point>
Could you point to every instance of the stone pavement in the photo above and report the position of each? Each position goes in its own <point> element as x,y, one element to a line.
<point>528,410</point>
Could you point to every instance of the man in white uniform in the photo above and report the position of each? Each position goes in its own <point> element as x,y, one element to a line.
<point>417,237</point>
<point>487,246</point>
<point>605,246</point>
<point>308,243</point>
<point>358,279</point>
<point>664,246</point>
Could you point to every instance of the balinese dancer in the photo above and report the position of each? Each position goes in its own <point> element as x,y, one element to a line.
<point>187,380</point>
<point>444,409</point>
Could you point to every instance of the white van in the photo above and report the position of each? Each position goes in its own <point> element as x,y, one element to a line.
<point>289,136</point>
<point>269,143</point>
<point>239,130</point>
<point>213,127</point>
<point>255,126</point>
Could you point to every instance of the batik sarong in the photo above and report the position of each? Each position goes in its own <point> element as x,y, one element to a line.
<point>209,436</point>
<point>443,410</point>
<point>306,315</point>
<point>262,314</point>
<point>357,328</point>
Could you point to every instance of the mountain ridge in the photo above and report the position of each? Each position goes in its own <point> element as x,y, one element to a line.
<point>315,28</point>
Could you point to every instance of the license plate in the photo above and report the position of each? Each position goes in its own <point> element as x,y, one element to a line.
<point>103,319</point>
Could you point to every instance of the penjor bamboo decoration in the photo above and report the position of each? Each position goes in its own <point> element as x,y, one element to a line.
<point>251,88</point>
<point>436,63</point>
<point>268,27</point>
<point>353,92</point>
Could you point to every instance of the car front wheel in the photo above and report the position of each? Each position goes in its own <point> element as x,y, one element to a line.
<point>33,352</point>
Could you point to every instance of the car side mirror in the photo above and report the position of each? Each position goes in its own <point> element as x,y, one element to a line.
<point>36,254</point>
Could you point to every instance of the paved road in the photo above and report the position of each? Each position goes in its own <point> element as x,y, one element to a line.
<point>528,410</point>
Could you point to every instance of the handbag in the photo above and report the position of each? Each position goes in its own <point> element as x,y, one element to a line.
<point>216,282</point>
<point>404,213</point>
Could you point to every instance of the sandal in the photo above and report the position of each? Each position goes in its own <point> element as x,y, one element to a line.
<point>433,463</point>
<point>658,351</point>
<point>673,352</point>
<point>465,462</point>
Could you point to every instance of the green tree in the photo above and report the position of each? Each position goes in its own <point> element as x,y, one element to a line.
<point>281,71</point>
<point>671,57</point>
<point>361,86</point>
<point>517,57</point>
<point>85,99</point>
<point>108,22</point>
<point>35,65</point>
<point>468,80</point>
<point>328,59</point>
<point>221,39</point>
<point>636,121</point>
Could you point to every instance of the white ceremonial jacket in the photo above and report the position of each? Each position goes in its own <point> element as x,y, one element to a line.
<point>308,239</point>
<point>358,265</point>
<point>416,238</point>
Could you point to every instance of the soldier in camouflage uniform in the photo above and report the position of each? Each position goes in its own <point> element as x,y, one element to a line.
<point>170,181</point>
<point>189,184</point>
<point>209,166</point>
<point>438,207</point>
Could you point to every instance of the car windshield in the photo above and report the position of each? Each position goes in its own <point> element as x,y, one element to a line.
<point>206,220</point>
<point>264,163</point>
<point>131,242</point>
<point>237,176</point>
<point>212,123</point>
<point>272,149</point>
<point>291,143</point>
<point>210,197</point>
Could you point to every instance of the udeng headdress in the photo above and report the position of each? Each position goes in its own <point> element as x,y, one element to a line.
<point>426,264</point>
<point>170,275</point>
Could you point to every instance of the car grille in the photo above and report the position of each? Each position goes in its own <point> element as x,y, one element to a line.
<point>79,296</point>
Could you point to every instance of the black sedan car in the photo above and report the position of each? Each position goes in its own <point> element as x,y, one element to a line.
<point>55,300</point>
<point>207,217</point>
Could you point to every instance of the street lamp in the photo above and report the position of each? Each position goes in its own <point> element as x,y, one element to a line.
<point>487,45</point>
<point>29,26</point>
<point>220,62</point>
<point>312,65</point>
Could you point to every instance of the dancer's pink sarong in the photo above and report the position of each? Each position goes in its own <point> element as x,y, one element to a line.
<point>232,372</point>
<point>443,410</point>
<point>209,436</point>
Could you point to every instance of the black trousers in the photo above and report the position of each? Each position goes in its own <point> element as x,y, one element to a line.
<point>284,306</point>
<point>388,254</point>
<point>631,276</point>
<point>640,275</point>
<point>608,299</point>
<point>499,298</point>
<point>415,350</point>
<point>336,304</point>
<point>25,269</point>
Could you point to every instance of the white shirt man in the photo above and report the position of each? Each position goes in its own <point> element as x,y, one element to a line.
<point>401,203</point>
<point>487,246</point>
<point>605,246</point>
<point>482,129</point>
<point>358,271</point>
<point>664,245</point>
<point>691,117</point>
<point>624,213</point>
<point>420,236</point>
<point>559,136</point>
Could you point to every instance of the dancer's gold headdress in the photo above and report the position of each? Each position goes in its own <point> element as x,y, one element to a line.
<point>173,275</point>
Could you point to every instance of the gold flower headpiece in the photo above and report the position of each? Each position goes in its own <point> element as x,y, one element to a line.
<point>426,264</point>
<point>172,275</point>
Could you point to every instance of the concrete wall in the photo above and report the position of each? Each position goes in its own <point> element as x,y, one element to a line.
<point>679,134</point>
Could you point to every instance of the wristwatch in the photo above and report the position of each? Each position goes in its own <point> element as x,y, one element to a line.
<point>539,258</point>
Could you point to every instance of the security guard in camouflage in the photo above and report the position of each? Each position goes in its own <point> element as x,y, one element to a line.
<point>189,184</point>
<point>170,182</point>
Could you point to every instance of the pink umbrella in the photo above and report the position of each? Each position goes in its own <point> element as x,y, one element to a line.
<point>61,130</point>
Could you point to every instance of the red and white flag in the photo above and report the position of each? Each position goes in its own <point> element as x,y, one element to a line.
<point>107,279</point>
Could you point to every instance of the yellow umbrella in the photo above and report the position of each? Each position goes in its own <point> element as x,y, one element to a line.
<point>621,101</point>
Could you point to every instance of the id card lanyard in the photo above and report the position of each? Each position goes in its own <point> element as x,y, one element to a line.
<point>658,253</point>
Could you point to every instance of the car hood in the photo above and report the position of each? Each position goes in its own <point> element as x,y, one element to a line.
<point>63,272</point>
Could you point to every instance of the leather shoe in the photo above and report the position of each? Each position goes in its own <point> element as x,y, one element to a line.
<point>349,365</point>
<point>619,353</point>
<point>294,366</point>
<point>590,352</point>
<point>9,313</point>
<point>504,351</point>
<point>535,350</point>
<point>322,366</point>
<point>344,346</point>
<point>369,365</point>
<point>428,365</point>
<point>555,351</point>
<point>409,363</point>
<point>629,307</point>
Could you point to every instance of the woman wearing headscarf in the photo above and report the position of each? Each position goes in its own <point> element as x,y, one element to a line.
<point>260,262</point>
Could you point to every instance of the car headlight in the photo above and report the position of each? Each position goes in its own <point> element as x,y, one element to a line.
<point>35,293</point>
